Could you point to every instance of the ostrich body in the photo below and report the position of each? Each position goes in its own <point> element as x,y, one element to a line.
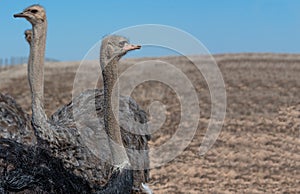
<point>59,134</point>
<point>14,122</point>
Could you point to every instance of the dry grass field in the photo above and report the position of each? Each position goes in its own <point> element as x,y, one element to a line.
<point>258,150</point>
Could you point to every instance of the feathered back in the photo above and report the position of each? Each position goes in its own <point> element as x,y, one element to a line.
<point>14,122</point>
<point>133,123</point>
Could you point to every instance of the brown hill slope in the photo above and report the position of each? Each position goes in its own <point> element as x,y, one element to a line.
<point>258,150</point>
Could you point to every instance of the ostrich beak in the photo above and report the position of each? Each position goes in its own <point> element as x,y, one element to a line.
<point>19,15</point>
<point>130,47</point>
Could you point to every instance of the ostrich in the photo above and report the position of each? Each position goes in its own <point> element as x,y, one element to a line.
<point>59,134</point>
<point>112,49</point>
<point>29,168</point>
<point>24,166</point>
<point>16,137</point>
<point>14,122</point>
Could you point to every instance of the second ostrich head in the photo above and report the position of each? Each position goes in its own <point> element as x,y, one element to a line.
<point>28,36</point>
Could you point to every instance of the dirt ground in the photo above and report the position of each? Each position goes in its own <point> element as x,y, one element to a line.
<point>258,149</point>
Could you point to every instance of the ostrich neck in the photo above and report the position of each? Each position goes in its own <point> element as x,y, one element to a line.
<point>50,135</point>
<point>36,72</point>
<point>110,77</point>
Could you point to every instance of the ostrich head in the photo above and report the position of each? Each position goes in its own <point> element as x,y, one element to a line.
<point>114,47</point>
<point>35,14</point>
<point>28,35</point>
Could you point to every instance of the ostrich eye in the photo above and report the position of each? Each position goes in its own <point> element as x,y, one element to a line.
<point>33,11</point>
<point>122,44</point>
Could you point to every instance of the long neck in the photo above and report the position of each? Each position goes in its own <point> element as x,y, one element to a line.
<point>36,72</point>
<point>110,77</point>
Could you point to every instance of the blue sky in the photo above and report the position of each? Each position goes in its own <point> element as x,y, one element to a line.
<point>231,26</point>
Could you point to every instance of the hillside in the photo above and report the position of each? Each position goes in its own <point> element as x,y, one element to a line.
<point>258,150</point>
